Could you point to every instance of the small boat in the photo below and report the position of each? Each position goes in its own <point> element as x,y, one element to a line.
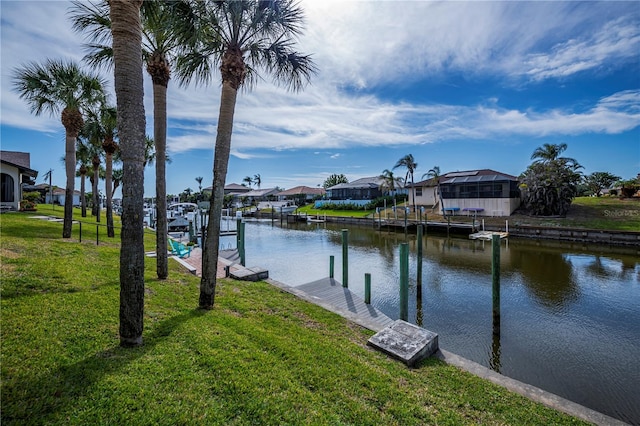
<point>278,206</point>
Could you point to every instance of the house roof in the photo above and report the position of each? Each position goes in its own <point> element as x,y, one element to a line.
<point>368,182</point>
<point>20,160</point>
<point>303,190</point>
<point>260,192</point>
<point>481,175</point>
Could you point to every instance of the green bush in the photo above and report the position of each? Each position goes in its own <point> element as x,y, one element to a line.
<point>33,196</point>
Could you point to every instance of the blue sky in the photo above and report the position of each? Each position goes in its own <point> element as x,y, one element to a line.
<point>460,85</point>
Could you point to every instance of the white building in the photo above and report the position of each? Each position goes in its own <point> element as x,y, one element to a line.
<point>15,171</point>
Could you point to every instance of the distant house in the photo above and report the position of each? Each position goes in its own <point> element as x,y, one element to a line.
<point>260,194</point>
<point>15,171</point>
<point>59,196</point>
<point>306,193</point>
<point>483,192</point>
<point>367,188</point>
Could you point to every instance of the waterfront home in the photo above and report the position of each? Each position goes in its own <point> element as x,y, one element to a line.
<point>301,194</point>
<point>481,192</point>
<point>15,171</point>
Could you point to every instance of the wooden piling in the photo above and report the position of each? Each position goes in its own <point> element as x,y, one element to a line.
<point>367,288</point>
<point>404,281</point>
<point>419,254</point>
<point>331,263</point>
<point>345,258</point>
<point>495,274</point>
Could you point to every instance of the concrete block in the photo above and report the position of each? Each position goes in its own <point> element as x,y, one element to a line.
<point>406,342</point>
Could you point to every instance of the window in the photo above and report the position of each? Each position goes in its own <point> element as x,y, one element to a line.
<point>419,191</point>
<point>6,188</point>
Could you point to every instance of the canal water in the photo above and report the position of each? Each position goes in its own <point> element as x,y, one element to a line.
<point>570,313</point>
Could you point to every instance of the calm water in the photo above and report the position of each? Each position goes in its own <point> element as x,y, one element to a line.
<point>570,316</point>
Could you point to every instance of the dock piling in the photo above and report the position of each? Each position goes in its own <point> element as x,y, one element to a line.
<point>404,281</point>
<point>367,288</point>
<point>495,274</point>
<point>331,263</point>
<point>345,258</point>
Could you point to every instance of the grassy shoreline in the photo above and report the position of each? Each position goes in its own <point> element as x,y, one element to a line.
<point>603,213</point>
<point>261,356</point>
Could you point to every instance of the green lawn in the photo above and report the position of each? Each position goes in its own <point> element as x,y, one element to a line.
<point>261,356</point>
<point>308,209</point>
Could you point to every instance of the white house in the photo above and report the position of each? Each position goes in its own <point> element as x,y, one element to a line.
<point>481,192</point>
<point>15,170</point>
<point>59,196</point>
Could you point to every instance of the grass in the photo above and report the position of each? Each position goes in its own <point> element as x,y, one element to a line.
<point>261,356</point>
<point>308,209</point>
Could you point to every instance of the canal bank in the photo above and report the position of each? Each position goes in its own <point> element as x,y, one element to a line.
<point>570,310</point>
<point>581,235</point>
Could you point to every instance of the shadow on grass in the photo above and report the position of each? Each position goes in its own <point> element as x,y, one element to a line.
<point>43,396</point>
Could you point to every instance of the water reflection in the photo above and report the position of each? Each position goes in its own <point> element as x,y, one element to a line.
<point>570,313</point>
<point>548,276</point>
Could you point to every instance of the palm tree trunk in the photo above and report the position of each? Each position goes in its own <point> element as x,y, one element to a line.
<point>83,199</point>
<point>127,41</point>
<point>70,169</point>
<point>109,166</point>
<point>220,163</point>
<point>160,138</point>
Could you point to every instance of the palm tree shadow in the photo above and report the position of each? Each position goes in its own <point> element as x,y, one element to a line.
<point>58,390</point>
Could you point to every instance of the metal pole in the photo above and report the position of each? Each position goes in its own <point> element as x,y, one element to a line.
<point>331,263</point>
<point>80,223</point>
<point>495,274</point>
<point>97,235</point>
<point>404,281</point>
<point>367,288</point>
<point>345,258</point>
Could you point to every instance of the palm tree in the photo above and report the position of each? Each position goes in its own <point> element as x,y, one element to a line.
<point>83,157</point>
<point>117,179</point>
<point>159,45</point>
<point>199,179</point>
<point>409,163</point>
<point>389,181</point>
<point>435,174</point>
<point>551,152</point>
<point>257,180</point>
<point>127,41</point>
<point>109,121</point>
<point>248,180</point>
<point>58,85</point>
<point>239,38</point>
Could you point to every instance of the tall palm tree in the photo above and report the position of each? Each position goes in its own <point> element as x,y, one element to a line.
<point>109,121</point>
<point>257,180</point>
<point>435,174</point>
<point>83,157</point>
<point>127,41</point>
<point>239,38</point>
<point>159,46</point>
<point>199,179</point>
<point>58,85</point>
<point>248,180</point>
<point>410,164</point>
<point>551,152</point>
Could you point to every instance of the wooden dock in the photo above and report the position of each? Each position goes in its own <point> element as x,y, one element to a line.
<point>487,235</point>
<point>330,294</point>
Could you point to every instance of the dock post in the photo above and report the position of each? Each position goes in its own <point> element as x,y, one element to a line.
<point>241,246</point>
<point>331,262</point>
<point>495,273</point>
<point>404,281</point>
<point>419,254</point>
<point>345,258</point>
<point>367,288</point>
